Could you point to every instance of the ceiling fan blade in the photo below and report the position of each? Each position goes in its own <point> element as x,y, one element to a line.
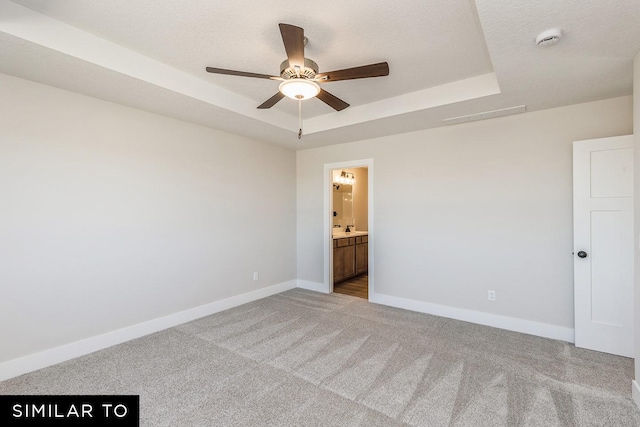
<point>332,100</point>
<point>271,101</point>
<point>373,70</point>
<point>293,39</point>
<point>238,73</point>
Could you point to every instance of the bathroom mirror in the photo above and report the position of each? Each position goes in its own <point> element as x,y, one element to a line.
<point>342,204</point>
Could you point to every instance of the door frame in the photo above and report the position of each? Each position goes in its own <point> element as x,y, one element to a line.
<point>327,219</point>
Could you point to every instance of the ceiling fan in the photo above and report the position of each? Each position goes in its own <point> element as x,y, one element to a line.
<point>299,75</point>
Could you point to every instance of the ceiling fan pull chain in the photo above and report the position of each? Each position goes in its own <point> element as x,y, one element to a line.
<point>300,117</point>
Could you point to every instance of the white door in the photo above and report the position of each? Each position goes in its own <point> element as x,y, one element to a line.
<point>603,244</point>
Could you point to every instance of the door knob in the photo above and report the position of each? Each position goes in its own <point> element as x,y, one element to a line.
<point>582,254</point>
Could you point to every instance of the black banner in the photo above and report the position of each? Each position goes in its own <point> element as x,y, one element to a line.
<point>67,410</point>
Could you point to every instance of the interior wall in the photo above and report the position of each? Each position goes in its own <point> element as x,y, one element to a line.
<point>636,127</point>
<point>463,209</point>
<point>112,216</point>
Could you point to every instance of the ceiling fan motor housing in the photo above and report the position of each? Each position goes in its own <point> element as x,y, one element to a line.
<point>309,72</point>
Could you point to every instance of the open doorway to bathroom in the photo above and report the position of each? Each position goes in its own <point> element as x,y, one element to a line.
<point>350,231</point>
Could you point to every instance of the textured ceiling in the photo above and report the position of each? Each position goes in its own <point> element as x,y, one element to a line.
<point>446,59</point>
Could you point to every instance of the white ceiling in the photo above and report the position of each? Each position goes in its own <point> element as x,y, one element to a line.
<point>446,59</point>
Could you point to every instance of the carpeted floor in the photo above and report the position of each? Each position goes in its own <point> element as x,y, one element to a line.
<point>302,358</point>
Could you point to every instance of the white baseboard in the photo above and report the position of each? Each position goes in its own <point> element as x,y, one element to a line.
<point>487,319</point>
<point>313,286</point>
<point>635,392</point>
<point>32,362</point>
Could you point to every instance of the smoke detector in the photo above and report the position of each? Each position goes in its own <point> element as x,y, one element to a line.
<point>549,37</point>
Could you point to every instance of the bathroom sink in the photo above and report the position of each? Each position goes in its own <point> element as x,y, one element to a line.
<point>342,234</point>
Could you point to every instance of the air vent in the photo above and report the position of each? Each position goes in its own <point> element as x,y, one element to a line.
<point>485,115</point>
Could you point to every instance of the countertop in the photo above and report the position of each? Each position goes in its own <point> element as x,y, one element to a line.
<point>343,235</point>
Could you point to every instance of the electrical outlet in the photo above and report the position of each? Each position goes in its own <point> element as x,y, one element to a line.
<point>491,295</point>
<point>255,275</point>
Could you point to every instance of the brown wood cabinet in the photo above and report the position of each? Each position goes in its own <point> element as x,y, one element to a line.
<point>362,255</point>
<point>350,257</point>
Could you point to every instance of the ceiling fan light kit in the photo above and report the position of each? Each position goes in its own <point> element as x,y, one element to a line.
<point>299,88</point>
<point>299,75</point>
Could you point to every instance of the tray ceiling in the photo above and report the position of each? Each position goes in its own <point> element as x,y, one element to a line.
<point>446,59</point>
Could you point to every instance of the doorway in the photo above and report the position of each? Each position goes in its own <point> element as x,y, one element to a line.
<point>348,226</point>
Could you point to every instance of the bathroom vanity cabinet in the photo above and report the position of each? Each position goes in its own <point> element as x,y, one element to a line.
<point>362,255</point>
<point>350,257</point>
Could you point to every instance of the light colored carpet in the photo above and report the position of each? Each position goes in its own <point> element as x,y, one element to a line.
<point>302,358</point>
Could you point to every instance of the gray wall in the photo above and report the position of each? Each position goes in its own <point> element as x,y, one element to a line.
<point>636,127</point>
<point>463,209</point>
<point>111,216</point>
